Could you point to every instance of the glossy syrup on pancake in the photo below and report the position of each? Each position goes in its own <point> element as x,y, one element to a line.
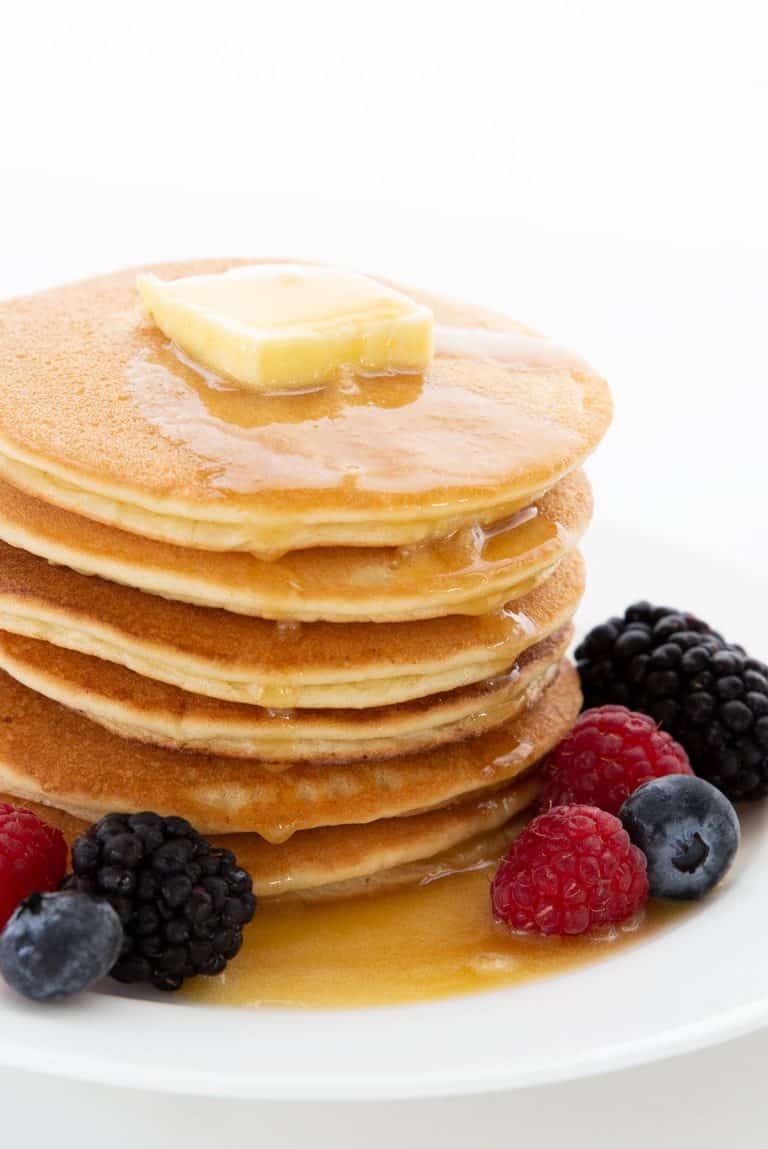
<point>404,434</point>
<point>473,570</point>
<point>250,660</point>
<point>144,441</point>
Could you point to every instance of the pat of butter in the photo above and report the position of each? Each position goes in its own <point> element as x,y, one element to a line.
<point>285,326</point>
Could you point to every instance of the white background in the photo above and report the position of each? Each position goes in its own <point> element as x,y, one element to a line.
<point>599,170</point>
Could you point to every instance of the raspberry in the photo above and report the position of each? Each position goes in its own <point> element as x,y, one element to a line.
<point>608,754</point>
<point>571,869</point>
<point>33,858</point>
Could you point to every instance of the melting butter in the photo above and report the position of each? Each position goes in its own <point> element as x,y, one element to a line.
<point>286,326</point>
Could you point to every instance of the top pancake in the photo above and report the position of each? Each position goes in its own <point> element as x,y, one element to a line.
<point>99,415</point>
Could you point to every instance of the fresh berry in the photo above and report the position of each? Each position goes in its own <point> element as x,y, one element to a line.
<point>609,752</point>
<point>688,831</point>
<point>571,869</point>
<point>33,857</point>
<point>706,693</point>
<point>181,902</point>
<point>59,944</point>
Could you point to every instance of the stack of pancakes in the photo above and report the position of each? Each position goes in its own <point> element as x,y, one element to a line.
<point>331,624</point>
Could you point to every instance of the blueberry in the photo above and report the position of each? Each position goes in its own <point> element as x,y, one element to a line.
<point>59,944</point>
<point>688,831</point>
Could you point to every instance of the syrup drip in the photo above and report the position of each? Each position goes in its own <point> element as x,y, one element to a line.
<point>524,624</point>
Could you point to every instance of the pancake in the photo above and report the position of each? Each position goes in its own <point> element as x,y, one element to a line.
<point>473,571</point>
<point>150,711</point>
<point>53,755</point>
<point>240,659</point>
<point>345,861</point>
<point>479,853</point>
<point>99,415</point>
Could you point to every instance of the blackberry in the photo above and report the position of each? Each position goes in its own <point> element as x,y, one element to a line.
<point>182,902</point>
<point>707,693</point>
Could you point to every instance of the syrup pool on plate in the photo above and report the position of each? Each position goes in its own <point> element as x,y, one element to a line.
<point>418,943</point>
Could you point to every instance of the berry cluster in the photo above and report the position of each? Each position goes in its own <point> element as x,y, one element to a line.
<point>623,817</point>
<point>707,693</point>
<point>149,900</point>
<point>578,865</point>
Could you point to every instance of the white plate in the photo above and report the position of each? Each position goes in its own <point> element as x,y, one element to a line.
<point>700,981</point>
